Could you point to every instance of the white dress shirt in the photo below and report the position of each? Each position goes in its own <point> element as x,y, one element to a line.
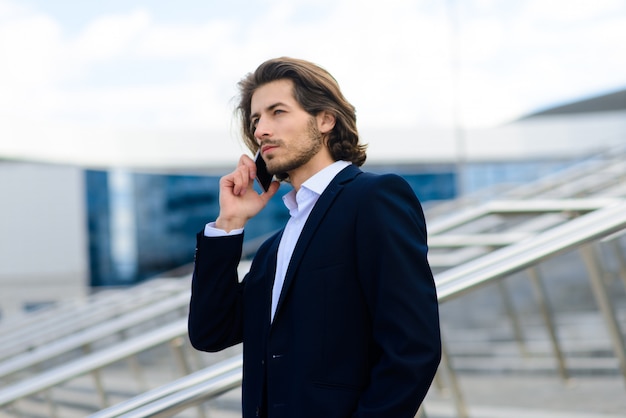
<point>300,205</point>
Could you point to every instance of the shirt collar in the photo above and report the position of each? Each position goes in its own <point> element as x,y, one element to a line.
<point>316,183</point>
<point>320,180</point>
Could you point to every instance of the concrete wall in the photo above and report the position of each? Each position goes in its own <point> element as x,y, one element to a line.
<point>43,235</point>
<point>182,150</point>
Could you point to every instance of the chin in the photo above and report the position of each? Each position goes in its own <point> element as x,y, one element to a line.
<point>274,167</point>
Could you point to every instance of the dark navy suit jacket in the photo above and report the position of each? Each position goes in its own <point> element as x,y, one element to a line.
<point>356,330</point>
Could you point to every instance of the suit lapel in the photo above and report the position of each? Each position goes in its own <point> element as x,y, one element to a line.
<point>271,272</point>
<point>320,209</point>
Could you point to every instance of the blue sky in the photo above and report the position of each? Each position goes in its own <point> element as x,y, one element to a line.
<point>174,65</point>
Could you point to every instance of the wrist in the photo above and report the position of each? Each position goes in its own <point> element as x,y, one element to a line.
<point>228,224</point>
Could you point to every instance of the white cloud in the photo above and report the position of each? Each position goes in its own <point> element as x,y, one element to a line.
<point>392,59</point>
<point>544,53</point>
<point>183,41</point>
<point>10,10</point>
<point>111,37</point>
<point>30,51</point>
<point>569,11</point>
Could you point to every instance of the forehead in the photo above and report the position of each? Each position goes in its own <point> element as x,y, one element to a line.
<point>272,93</point>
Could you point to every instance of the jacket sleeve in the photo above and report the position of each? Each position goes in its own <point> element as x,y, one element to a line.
<point>216,306</point>
<point>400,292</point>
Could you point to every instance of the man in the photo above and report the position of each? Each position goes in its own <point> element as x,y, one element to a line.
<point>338,314</point>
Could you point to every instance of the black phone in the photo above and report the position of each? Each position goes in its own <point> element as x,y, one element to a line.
<point>262,175</point>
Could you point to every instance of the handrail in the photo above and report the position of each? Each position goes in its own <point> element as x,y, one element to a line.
<point>90,362</point>
<point>613,216</point>
<point>593,164</point>
<point>158,395</point>
<point>501,207</point>
<point>450,283</point>
<point>464,247</point>
<point>180,401</point>
<point>88,336</point>
<point>41,319</point>
<point>539,188</point>
<point>590,227</point>
<point>600,216</point>
<point>104,307</point>
<point>487,240</point>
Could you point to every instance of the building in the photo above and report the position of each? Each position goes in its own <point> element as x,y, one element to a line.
<point>67,228</point>
<point>43,235</point>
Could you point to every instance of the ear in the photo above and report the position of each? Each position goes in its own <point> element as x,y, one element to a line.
<point>325,121</point>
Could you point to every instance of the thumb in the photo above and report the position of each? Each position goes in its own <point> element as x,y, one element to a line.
<point>271,191</point>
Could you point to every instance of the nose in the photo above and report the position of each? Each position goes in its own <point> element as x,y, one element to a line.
<point>262,129</point>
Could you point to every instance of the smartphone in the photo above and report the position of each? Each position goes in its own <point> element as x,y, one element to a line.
<point>262,175</point>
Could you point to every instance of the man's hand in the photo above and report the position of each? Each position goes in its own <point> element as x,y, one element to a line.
<point>238,200</point>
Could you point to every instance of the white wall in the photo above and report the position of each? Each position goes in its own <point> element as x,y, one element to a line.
<point>553,136</point>
<point>43,235</point>
<point>549,136</point>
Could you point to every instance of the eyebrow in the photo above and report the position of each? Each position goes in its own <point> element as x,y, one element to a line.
<point>270,107</point>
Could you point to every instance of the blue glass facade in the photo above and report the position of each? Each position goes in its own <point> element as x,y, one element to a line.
<point>99,231</point>
<point>479,176</point>
<point>141,225</point>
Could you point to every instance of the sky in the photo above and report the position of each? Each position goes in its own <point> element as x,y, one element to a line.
<point>173,66</point>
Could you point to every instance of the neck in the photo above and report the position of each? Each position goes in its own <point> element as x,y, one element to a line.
<point>301,174</point>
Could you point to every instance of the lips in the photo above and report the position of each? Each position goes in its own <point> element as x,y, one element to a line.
<point>266,148</point>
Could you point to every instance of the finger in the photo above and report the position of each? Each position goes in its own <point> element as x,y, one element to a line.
<point>246,178</point>
<point>228,181</point>
<point>236,179</point>
<point>249,163</point>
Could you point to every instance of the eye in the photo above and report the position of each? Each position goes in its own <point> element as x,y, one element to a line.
<point>278,111</point>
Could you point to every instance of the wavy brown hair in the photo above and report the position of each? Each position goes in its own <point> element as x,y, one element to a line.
<point>316,90</point>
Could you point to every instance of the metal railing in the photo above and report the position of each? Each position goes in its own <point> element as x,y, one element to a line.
<point>579,233</point>
<point>72,318</point>
<point>182,393</point>
<point>84,339</point>
<point>459,248</point>
<point>172,333</point>
<point>477,245</point>
<point>561,184</point>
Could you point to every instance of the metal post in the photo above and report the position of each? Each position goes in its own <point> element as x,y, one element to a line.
<point>512,314</point>
<point>454,384</point>
<point>47,394</point>
<point>177,346</point>
<point>619,254</point>
<point>97,380</point>
<point>135,366</point>
<point>104,401</point>
<point>196,359</point>
<point>53,407</point>
<point>605,305</point>
<point>548,318</point>
<point>439,383</point>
